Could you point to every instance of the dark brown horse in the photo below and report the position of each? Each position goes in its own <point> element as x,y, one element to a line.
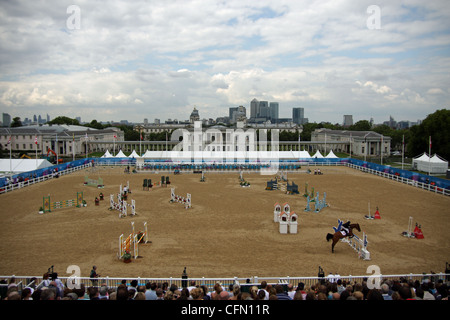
<point>338,235</point>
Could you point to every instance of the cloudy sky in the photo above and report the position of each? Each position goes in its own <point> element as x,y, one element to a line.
<point>117,60</point>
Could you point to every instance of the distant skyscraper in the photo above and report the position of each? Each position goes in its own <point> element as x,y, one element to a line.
<point>254,109</point>
<point>273,106</point>
<point>298,115</point>
<point>263,110</point>
<point>6,120</point>
<point>232,114</point>
<point>348,120</point>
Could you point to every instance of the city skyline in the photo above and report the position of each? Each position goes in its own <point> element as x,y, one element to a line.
<point>160,59</point>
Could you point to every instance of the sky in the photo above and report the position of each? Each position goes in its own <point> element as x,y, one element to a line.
<point>129,60</point>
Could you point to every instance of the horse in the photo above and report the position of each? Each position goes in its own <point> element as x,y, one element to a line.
<point>338,235</point>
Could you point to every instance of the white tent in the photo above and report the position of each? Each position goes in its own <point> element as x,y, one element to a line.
<point>419,159</point>
<point>121,155</point>
<point>317,155</point>
<point>303,154</point>
<point>107,154</point>
<point>331,155</point>
<point>23,165</point>
<point>435,164</point>
<point>134,155</point>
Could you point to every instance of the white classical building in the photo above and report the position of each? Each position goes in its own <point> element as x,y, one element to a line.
<point>360,143</point>
<point>57,140</point>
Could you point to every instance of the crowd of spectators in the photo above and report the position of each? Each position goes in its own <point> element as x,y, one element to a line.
<point>401,289</point>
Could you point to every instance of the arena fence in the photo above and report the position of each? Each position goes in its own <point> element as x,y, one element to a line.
<point>32,177</point>
<point>425,182</point>
<point>72,282</point>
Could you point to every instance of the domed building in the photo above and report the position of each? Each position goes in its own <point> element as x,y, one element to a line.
<point>194,116</point>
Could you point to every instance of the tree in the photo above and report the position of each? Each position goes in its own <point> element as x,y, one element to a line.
<point>362,125</point>
<point>64,120</point>
<point>95,124</point>
<point>436,126</point>
<point>16,122</point>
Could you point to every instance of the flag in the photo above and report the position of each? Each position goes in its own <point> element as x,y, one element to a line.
<point>430,143</point>
<point>35,140</point>
<point>9,140</point>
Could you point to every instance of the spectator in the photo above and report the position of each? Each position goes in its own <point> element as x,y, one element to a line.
<point>26,294</point>
<point>385,292</point>
<point>281,294</point>
<point>196,293</point>
<point>48,294</point>
<point>298,295</point>
<point>122,293</point>
<point>103,293</point>
<point>93,293</point>
<point>205,293</point>
<point>150,292</point>
<point>217,290</point>
<point>374,294</point>
<point>405,293</point>
<point>237,290</point>
<point>442,292</point>
<point>223,295</point>
<point>253,292</point>
<point>344,295</point>
<point>191,285</point>
<point>13,294</point>
<point>140,296</point>
<point>290,291</point>
<point>264,289</point>
<point>159,294</point>
<point>358,295</point>
<point>301,288</point>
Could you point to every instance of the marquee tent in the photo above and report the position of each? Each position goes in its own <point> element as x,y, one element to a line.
<point>107,154</point>
<point>434,164</point>
<point>331,155</point>
<point>23,165</point>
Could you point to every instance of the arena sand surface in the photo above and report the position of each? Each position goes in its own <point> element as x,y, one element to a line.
<point>229,231</point>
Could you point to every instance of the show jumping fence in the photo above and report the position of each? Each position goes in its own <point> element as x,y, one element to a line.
<point>48,206</point>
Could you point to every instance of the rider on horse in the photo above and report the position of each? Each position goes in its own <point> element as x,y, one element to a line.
<point>346,228</point>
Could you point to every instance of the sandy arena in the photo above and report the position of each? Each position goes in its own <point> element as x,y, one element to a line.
<point>229,231</point>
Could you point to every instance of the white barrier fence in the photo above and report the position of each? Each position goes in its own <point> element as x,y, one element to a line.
<point>29,182</point>
<point>417,184</point>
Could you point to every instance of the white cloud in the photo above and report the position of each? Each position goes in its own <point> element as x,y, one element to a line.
<point>157,59</point>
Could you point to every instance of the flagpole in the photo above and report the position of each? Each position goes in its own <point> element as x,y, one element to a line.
<point>403,150</point>
<point>35,143</point>
<point>429,159</point>
<point>10,154</point>
<point>381,149</point>
<point>56,149</point>
<point>73,147</point>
